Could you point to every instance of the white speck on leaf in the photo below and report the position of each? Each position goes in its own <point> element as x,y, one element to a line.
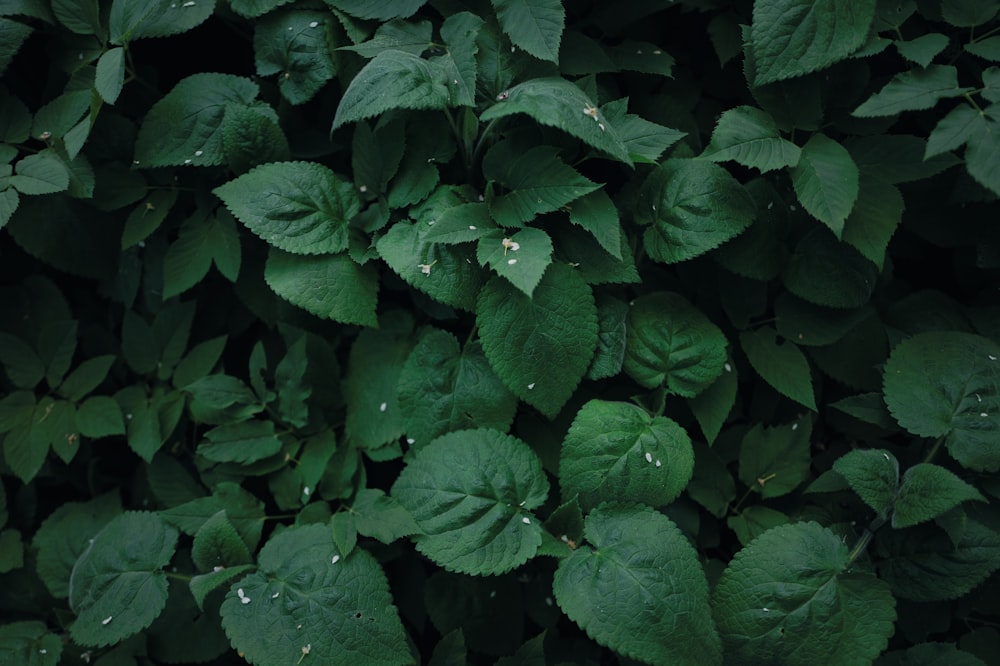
<point>659,464</point>
<point>363,188</point>
<point>189,3</point>
<point>275,595</point>
<point>728,367</point>
<point>548,601</point>
<point>217,568</point>
<point>601,125</point>
<point>983,414</point>
<point>106,620</point>
<point>425,269</point>
<point>472,227</point>
<point>766,610</point>
<point>978,398</point>
<point>306,649</point>
<point>886,456</point>
<point>649,457</point>
<point>511,262</point>
<point>384,406</point>
<point>657,52</point>
<point>508,244</point>
<point>305,490</point>
<point>188,161</point>
<point>991,357</point>
<point>314,24</point>
<point>199,153</point>
<point>411,441</point>
<point>336,558</point>
<point>531,386</point>
<point>526,520</point>
<point>795,426</point>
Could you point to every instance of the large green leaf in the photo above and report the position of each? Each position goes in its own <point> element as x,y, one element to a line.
<point>913,90</point>
<point>826,181</point>
<point>533,25</point>
<point>947,384</point>
<point>781,364</point>
<point>556,327</point>
<point>673,344</point>
<point>789,38</point>
<point>459,33</point>
<point>646,598</point>
<point>393,80</point>
<point>615,451</point>
<point>300,207</point>
<point>118,586</point>
<point>332,286</point>
<point>471,492</point>
<point>750,137</point>
<point>316,604</point>
<point>185,126</point>
<point>558,103</point>
<point>692,206</point>
<point>789,597</point>
<point>873,474</point>
<point>443,387</point>
<point>296,46</point>
<point>927,491</point>
<point>775,461</point>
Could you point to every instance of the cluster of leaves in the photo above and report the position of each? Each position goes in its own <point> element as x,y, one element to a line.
<point>538,333</point>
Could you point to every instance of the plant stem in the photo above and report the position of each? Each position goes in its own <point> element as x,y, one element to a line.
<point>934,450</point>
<point>862,543</point>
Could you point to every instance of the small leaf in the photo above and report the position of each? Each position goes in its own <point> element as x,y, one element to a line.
<point>332,286</point>
<point>12,35</point>
<point>775,461</point>
<point>243,443</point>
<point>988,49</point>
<point>185,126</point>
<point>597,214</point>
<point>393,80</point>
<point>243,510</point>
<point>750,137</point>
<point>20,362</point>
<point>533,25</point>
<point>712,406</point>
<point>316,603</point>
<point>383,10</point>
<point>780,364</point>
<point>118,585</point>
<point>110,76</point>
<point>914,90</point>
<point>29,643</point>
<point>521,259</point>
<point>828,272</point>
<point>873,220</point>
<point>644,598</point>
<point>99,416</point>
<point>217,545</point>
<point>968,13</point>
<point>873,474</point>
<point>984,143</point>
<point>788,597</point>
<point>556,327</point>
<point>471,492</point>
<point>376,361</point>
<point>693,207</point>
<point>251,137</point>
<point>558,103</point>
<point>826,182</point>
<point>789,38</point>
<point>927,492</point>
<point>382,517</point>
<point>444,388</point>
<point>671,343</point>
<point>615,451</point>
<point>294,45</point>
<point>41,173</point>
<point>298,207</point>
<point>947,384</point>
<point>923,49</point>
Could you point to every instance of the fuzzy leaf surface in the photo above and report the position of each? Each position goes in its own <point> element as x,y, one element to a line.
<point>332,286</point>
<point>644,598</point>
<point>927,492</point>
<point>749,136</point>
<point>873,474</point>
<point>471,492</point>
<point>533,25</point>
<point>913,90</point>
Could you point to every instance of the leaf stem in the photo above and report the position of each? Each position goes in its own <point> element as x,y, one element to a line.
<point>934,450</point>
<point>181,577</point>
<point>862,543</point>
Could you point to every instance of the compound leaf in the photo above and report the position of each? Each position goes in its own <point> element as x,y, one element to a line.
<point>789,597</point>
<point>314,601</point>
<point>118,586</point>
<point>471,492</point>
<point>645,598</point>
<point>615,451</point>
<point>556,327</point>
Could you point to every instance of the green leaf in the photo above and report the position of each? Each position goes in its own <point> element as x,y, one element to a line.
<point>99,416</point>
<point>913,90</point>
<point>712,406</point>
<point>556,327</point>
<point>671,343</point>
<point>828,272</point>
<point>558,103</point>
<point>66,534</point>
<point>393,80</point>
<point>923,563</point>
<point>376,362</point>
<point>539,182</point>
<point>984,143</point>
<point>775,461</point>
<point>615,451</point>
<point>412,37</point>
<point>896,158</point>
<point>331,286</point>
<point>383,10</point>
<point>750,137</point>
<point>9,201</point>
<point>203,585</point>
<point>110,76</point>
<point>218,544</point>
<point>296,46</point>
<point>644,598</point>
<point>533,25</point>
<point>185,126</point>
<point>947,384</point>
<point>11,551</point>
<point>448,274</point>
<point>12,35</point>
<point>444,388</point>
<point>597,214</point>
<point>873,220</point>
<point>243,510</point>
<point>137,19</point>
<point>251,137</point>
<point>299,207</point>
<point>521,259</point>
<point>873,474</point>
<point>929,654</point>
<point>610,353</point>
<point>21,363</point>
<point>927,492</point>
<point>988,49</point>
<point>826,181</point>
<point>753,521</point>
<point>382,517</point>
<point>316,604</point>
<point>292,386</point>
<point>780,364</point>
<point>789,38</point>
<point>29,644</point>
<point>471,492</point>
<point>41,173</point>
<point>644,140</point>
<point>118,586</point>
<point>969,13</point>
<point>51,422</point>
<point>147,216</point>
<point>789,597</point>
<point>459,33</point>
<point>243,443</point>
<point>923,49</point>
<point>693,207</point>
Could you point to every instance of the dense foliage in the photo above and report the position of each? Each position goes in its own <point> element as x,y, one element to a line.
<point>387,332</point>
